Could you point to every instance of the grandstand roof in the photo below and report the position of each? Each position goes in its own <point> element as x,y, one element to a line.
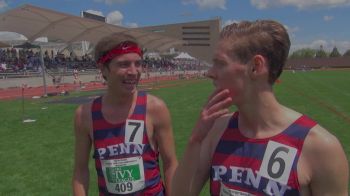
<point>34,22</point>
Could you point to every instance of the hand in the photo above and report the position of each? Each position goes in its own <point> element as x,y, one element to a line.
<point>217,105</point>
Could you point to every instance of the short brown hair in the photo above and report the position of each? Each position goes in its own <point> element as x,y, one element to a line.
<point>265,37</point>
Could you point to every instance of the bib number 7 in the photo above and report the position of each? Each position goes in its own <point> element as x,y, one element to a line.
<point>134,131</point>
<point>277,162</point>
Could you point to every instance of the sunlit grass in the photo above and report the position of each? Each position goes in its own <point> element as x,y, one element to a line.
<point>37,158</point>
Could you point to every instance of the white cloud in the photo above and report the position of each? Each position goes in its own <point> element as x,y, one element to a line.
<point>115,18</point>
<point>327,45</point>
<point>95,12</point>
<point>132,25</point>
<point>291,31</point>
<point>3,4</point>
<point>109,2</point>
<point>207,4</point>
<point>300,4</point>
<point>4,35</point>
<point>328,18</point>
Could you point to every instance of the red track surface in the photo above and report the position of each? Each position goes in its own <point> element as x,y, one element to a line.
<point>29,92</point>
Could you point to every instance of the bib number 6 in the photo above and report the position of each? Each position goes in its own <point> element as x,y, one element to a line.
<point>277,162</point>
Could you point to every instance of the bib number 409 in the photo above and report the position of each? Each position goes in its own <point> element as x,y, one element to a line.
<point>123,187</point>
<point>277,162</point>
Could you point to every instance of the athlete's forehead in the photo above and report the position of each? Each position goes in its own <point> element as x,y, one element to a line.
<point>127,57</point>
<point>221,53</point>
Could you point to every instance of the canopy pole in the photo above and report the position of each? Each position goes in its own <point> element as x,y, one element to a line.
<point>43,70</point>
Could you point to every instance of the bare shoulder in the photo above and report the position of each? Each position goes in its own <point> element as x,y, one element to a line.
<point>320,141</point>
<point>83,119</point>
<point>327,162</point>
<point>157,108</point>
<point>83,110</point>
<point>154,102</point>
<point>157,111</point>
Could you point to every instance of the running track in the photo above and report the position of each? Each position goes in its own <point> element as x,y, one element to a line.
<point>29,92</point>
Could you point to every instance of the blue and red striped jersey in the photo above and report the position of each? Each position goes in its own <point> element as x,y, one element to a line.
<point>245,166</point>
<point>125,162</point>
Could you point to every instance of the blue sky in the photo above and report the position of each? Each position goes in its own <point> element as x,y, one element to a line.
<point>310,23</point>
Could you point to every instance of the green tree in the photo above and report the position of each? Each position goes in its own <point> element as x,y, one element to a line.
<point>335,53</point>
<point>303,53</point>
<point>347,53</point>
<point>321,53</point>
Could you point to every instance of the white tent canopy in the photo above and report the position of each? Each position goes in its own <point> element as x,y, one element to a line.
<point>184,55</point>
<point>153,55</point>
<point>34,22</point>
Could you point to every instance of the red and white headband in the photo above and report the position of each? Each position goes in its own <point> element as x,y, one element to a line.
<point>122,48</point>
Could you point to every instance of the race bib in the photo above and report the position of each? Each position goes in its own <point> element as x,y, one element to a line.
<point>225,191</point>
<point>134,131</point>
<point>277,162</point>
<point>124,176</point>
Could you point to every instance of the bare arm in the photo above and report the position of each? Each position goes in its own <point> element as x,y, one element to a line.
<point>80,181</point>
<point>193,169</point>
<point>164,138</point>
<point>330,170</point>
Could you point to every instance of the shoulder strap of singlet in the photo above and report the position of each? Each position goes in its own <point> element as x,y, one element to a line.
<point>233,122</point>
<point>139,112</point>
<point>300,128</point>
<point>96,109</point>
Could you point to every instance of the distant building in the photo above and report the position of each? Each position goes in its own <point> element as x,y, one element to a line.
<point>84,14</point>
<point>89,15</point>
<point>200,36</point>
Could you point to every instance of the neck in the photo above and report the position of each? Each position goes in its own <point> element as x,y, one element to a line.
<point>262,116</point>
<point>118,98</point>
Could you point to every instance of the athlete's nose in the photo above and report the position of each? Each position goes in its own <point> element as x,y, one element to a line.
<point>133,69</point>
<point>210,73</point>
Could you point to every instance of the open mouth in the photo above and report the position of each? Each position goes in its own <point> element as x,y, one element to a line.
<point>130,83</point>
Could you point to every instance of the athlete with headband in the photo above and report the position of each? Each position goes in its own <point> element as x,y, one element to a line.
<point>126,128</point>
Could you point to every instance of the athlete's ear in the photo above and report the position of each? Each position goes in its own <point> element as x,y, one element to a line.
<point>104,70</point>
<point>258,66</point>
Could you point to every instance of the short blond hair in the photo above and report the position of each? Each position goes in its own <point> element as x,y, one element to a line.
<point>264,37</point>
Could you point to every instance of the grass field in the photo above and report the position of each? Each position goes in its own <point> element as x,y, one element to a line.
<point>37,158</point>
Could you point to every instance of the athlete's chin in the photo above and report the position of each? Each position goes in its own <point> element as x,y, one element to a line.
<point>130,89</point>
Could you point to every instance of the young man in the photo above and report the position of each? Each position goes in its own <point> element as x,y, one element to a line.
<point>127,128</point>
<point>264,148</point>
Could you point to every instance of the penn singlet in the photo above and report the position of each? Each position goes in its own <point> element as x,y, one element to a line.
<point>125,162</point>
<point>245,167</point>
